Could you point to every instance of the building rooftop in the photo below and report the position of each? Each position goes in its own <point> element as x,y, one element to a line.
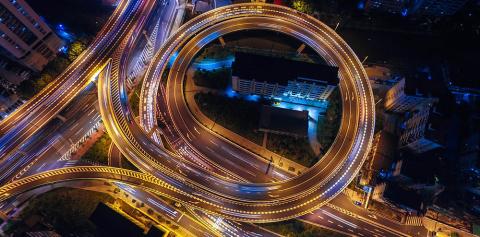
<point>425,83</point>
<point>385,152</point>
<point>280,70</point>
<point>419,84</point>
<point>403,197</point>
<point>284,121</point>
<point>421,168</point>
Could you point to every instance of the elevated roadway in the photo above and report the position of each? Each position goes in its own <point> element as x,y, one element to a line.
<point>171,175</point>
<point>217,194</point>
<point>39,110</point>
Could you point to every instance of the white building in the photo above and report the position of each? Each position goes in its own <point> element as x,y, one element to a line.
<point>24,37</point>
<point>277,77</point>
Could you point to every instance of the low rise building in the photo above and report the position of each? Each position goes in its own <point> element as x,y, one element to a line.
<point>278,77</point>
<point>380,160</point>
<point>448,222</point>
<point>406,95</point>
<point>410,114</point>
<point>25,37</point>
<point>418,130</point>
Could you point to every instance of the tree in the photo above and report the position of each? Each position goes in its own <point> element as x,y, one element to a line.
<point>76,48</point>
<point>42,82</point>
<point>26,89</point>
<point>302,6</point>
<point>329,125</point>
<point>59,64</point>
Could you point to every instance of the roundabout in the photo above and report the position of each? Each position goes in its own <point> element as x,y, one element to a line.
<point>170,174</point>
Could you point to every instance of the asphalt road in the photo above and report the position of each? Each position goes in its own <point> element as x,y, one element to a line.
<point>43,107</point>
<point>245,201</point>
<point>224,151</point>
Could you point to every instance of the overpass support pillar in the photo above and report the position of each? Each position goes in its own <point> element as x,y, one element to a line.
<point>3,216</point>
<point>222,41</point>
<point>63,119</point>
<point>300,49</point>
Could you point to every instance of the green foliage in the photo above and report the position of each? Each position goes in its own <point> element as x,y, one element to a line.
<point>215,52</point>
<point>302,5</point>
<point>242,117</point>
<point>328,125</point>
<point>99,151</point>
<point>76,48</point>
<point>215,79</point>
<point>296,149</point>
<point>235,114</point>
<point>67,210</point>
<point>296,228</point>
<point>83,18</point>
<point>134,99</point>
<point>26,89</point>
<point>29,88</point>
<point>134,103</point>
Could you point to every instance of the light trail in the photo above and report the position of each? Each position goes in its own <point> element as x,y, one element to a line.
<point>168,174</point>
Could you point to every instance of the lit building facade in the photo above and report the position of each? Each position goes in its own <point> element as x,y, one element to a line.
<point>24,37</point>
<point>413,106</point>
<point>275,77</point>
<point>400,100</point>
<point>300,88</point>
<point>413,130</point>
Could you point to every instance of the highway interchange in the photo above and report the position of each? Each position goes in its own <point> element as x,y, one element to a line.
<point>222,196</point>
<point>171,174</point>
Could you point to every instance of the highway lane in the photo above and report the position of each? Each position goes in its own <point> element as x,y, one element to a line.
<point>210,144</point>
<point>38,111</point>
<point>343,206</point>
<point>78,121</point>
<point>243,201</point>
<point>53,140</point>
<point>114,156</point>
<point>231,228</point>
<point>141,151</point>
<point>204,140</point>
<point>182,113</point>
<point>185,220</point>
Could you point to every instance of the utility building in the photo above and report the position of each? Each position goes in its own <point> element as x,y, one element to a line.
<point>277,77</point>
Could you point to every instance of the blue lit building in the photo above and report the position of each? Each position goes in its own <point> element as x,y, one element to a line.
<point>282,78</point>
